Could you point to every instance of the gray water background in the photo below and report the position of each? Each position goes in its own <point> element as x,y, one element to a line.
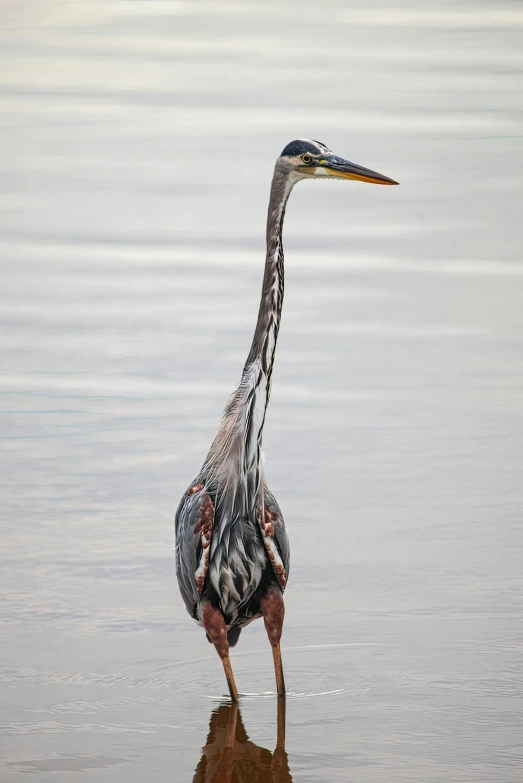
<point>137,143</point>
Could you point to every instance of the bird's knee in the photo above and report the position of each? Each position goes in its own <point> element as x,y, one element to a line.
<point>273,610</point>
<point>214,625</point>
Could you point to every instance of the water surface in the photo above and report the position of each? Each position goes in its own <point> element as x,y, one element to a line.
<point>137,145</point>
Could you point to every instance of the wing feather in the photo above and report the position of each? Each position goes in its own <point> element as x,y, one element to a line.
<point>275,537</point>
<point>193,529</point>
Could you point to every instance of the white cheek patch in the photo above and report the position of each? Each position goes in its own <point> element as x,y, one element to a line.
<point>321,172</point>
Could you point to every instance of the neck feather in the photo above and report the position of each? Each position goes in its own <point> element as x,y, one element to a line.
<point>269,314</point>
<point>238,441</point>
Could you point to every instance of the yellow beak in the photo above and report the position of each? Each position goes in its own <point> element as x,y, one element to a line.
<point>344,169</point>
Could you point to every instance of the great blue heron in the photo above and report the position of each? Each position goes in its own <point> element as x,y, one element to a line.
<point>232,549</point>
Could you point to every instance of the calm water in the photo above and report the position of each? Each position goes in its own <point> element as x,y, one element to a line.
<point>137,143</point>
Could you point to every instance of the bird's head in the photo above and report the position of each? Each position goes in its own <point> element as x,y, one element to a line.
<point>308,158</point>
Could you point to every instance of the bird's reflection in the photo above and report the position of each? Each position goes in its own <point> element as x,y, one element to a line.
<point>229,756</point>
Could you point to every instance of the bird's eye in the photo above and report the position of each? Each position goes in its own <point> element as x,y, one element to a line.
<point>306,159</point>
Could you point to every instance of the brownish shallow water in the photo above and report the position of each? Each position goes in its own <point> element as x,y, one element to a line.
<point>137,148</point>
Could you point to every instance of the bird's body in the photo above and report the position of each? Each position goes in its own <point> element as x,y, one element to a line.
<point>232,549</point>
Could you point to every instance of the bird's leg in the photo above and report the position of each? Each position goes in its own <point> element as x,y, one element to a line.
<point>273,611</point>
<point>214,624</point>
<point>280,732</point>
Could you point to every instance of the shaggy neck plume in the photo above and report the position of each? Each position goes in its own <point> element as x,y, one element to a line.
<point>240,431</point>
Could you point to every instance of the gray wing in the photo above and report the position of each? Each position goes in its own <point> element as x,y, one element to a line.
<point>275,538</point>
<point>193,529</point>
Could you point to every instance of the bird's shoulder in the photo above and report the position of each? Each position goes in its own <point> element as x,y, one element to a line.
<point>194,500</point>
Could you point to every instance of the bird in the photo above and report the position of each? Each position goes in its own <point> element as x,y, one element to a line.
<point>232,549</point>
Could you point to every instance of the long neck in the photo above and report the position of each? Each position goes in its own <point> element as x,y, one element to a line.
<point>257,373</point>
<point>235,451</point>
<point>266,332</point>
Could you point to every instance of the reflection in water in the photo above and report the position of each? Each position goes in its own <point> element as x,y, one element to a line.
<point>136,141</point>
<point>229,756</point>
